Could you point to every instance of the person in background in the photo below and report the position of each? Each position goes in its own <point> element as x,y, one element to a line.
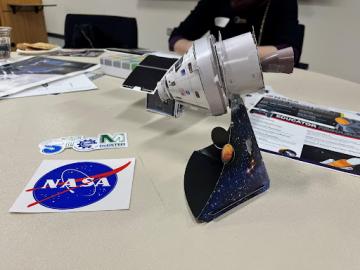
<point>274,22</point>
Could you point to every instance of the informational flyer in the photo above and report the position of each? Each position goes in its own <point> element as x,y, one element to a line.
<point>36,71</point>
<point>327,137</point>
<point>74,185</point>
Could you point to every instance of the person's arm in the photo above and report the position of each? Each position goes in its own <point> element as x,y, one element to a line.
<point>194,26</point>
<point>181,46</point>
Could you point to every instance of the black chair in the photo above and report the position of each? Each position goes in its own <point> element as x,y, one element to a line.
<point>301,35</point>
<point>100,31</point>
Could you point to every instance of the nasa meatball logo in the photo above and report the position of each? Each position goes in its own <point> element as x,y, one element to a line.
<point>75,185</point>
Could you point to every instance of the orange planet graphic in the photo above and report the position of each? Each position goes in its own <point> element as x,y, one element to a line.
<point>342,121</point>
<point>341,163</point>
<point>227,153</point>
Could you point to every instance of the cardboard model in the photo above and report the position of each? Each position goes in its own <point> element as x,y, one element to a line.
<point>212,75</point>
<point>212,187</point>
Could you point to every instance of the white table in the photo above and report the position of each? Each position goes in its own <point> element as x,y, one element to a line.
<point>309,219</point>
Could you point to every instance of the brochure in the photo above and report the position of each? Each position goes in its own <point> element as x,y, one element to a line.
<point>323,136</point>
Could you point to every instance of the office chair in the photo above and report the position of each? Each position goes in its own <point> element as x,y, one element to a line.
<point>100,31</point>
<point>301,35</point>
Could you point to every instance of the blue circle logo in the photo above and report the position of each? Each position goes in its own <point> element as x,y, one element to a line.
<point>75,185</point>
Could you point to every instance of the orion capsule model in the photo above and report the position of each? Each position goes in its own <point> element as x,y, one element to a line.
<point>211,72</point>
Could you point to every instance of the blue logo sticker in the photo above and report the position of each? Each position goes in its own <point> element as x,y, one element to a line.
<point>49,149</point>
<point>75,185</point>
<point>86,144</point>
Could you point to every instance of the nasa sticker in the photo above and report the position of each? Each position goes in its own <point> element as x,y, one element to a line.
<point>72,186</point>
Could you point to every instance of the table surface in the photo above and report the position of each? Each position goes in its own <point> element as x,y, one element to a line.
<point>309,219</point>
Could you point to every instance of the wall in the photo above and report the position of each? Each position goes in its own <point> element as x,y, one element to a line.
<point>332,37</point>
<point>331,42</point>
<point>153,17</point>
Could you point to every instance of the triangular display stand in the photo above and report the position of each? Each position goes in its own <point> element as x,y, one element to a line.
<point>212,187</point>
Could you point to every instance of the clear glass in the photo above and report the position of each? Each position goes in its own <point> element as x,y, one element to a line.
<point>5,43</point>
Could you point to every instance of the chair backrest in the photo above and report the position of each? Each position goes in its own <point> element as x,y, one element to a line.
<point>301,35</point>
<point>100,31</point>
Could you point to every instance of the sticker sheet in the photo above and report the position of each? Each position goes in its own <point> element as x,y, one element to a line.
<point>84,144</point>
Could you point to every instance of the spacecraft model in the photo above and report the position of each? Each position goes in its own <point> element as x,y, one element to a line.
<point>212,75</point>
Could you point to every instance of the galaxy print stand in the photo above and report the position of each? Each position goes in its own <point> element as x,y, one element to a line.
<point>212,187</point>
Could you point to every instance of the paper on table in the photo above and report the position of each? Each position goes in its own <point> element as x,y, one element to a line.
<point>18,76</point>
<point>324,136</point>
<point>13,59</point>
<point>72,84</point>
<point>74,186</point>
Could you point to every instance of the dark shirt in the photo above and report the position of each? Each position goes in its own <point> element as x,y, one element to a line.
<point>280,29</point>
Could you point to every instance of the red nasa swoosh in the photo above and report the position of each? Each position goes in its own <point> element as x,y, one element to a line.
<point>98,176</point>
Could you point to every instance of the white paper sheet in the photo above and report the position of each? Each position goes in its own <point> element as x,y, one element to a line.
<point>74,186</point>
<point>25,74</point>
<point>73,84</point>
